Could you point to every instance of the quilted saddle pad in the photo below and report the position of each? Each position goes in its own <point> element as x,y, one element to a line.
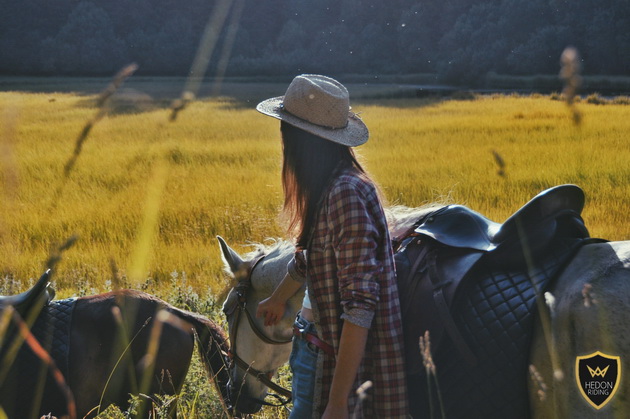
<point>495,312</point>
<point>29,378</point>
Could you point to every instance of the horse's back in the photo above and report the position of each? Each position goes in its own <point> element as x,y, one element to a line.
<point>111,336</point>
<point>590,314</point>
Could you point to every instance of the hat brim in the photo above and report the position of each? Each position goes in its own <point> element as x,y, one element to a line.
<point>352,135</point>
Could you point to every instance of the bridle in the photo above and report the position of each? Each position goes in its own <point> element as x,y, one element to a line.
<point>237,309</point>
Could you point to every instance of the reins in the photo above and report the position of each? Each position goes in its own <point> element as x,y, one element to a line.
<point>241,289</point>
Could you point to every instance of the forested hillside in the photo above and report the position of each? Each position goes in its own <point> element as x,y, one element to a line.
<point>460,40</point>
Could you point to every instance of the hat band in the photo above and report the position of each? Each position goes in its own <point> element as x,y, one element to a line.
<point>284,109</point>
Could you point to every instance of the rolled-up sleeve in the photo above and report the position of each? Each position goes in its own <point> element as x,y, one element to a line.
<point>355,241</point>
<point>297,266</point>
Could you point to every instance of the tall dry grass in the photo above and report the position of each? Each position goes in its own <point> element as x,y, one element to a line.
<point>446,149</point>
<point>147,197</point>
<point>217,170</point>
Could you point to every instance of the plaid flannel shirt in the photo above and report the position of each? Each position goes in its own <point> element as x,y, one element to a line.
<point>351,277</point>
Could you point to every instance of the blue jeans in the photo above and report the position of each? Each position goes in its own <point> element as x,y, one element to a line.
<point>303,362</point>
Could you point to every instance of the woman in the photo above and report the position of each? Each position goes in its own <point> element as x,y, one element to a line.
<point>349,330</point>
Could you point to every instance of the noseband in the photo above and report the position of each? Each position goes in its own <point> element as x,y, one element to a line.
<point>236,310</point>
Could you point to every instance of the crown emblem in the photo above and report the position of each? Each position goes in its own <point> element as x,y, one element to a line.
<point>597,371</point>
<point>598,377</point>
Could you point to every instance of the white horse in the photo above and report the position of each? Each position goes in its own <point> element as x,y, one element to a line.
<point>590,311</point>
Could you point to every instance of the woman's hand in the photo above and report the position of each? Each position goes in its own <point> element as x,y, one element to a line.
<point>272,309</point>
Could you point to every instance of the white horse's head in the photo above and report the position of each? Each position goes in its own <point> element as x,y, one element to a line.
<point>255,358</point>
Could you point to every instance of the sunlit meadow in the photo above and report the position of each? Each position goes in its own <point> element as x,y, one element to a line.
<point>147,196</point>
<point>215,171</point>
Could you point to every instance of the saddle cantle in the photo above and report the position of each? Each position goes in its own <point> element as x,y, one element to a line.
<point>462,276</point>
<point>40,292</point>
<point>461,227</point>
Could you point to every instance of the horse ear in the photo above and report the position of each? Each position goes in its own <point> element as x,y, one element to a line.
<point>230,257</point>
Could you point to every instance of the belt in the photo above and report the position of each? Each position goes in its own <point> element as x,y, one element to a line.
<point>311,338</point>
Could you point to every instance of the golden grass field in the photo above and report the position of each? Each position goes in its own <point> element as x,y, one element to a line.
<point>148,196</point>
<point>151,195</point>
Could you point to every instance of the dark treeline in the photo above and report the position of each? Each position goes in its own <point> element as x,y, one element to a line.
<point>459,40</point>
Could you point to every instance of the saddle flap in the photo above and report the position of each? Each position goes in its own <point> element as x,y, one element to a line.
<point>429,275</point>
<point>459,226</point>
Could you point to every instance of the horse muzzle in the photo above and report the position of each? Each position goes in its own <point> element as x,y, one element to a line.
<point>241,400</point>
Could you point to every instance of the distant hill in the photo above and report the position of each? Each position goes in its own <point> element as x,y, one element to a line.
<point>460,40</point>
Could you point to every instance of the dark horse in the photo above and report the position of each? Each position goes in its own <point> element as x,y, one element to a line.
<point>103,349</point>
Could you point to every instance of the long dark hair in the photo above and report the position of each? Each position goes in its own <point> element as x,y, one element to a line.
<point>309,162</point>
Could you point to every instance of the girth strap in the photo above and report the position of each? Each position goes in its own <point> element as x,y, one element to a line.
<point>444,311</point>
<point>413,285</point>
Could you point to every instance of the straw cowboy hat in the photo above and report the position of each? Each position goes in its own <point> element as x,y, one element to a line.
<point>321,106</point>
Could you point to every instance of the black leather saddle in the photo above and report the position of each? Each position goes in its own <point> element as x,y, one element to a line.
<point>41,293</point>
<point>536,222</point>
<point>473,284</point>
<point>446,245</point>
